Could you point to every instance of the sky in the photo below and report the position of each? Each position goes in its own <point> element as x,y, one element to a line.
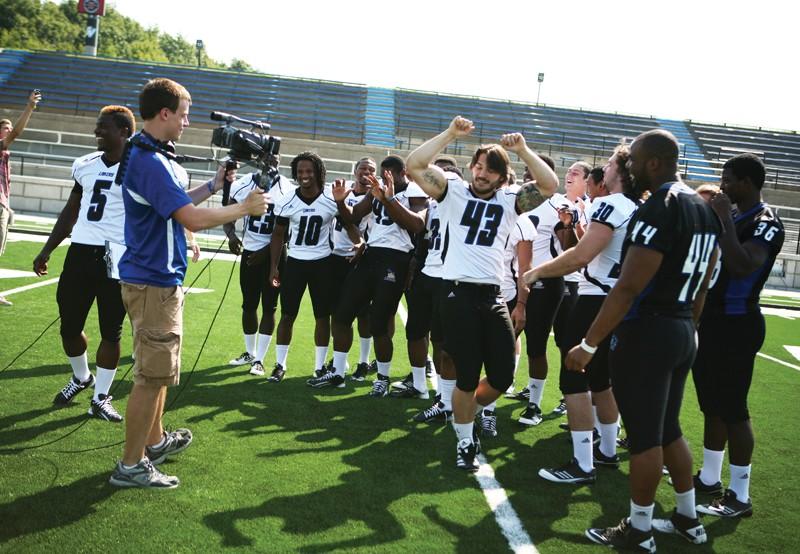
<point>729,62</point>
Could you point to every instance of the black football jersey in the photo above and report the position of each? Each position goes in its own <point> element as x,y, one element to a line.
<point>731,295</point>
<point>678,223</point>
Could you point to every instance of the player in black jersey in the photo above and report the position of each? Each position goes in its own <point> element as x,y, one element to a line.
<point>732,331</point>
<point>94,216</point>
<point>668,256</point>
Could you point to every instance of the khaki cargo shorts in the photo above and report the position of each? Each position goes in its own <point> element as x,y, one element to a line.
<point>156,315</point>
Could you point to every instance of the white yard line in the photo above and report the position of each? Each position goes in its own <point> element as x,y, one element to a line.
<point>778,361</point>
<point>504,514</point>
<point>29,287</point>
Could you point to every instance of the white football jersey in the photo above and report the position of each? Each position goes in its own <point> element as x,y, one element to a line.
<point>342,245</point>
<point>476,232</point>
<point>309,223</point>
<point>615,211</point>
<point>433,226</point>
<point>258,230</point>
<point>384,232</point>
<point>102,213</point>
<point>523,230</point>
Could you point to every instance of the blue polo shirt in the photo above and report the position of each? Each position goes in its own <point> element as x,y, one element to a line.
<point>156,246</point>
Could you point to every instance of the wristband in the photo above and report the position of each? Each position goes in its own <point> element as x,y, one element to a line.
<point>210,186</point>
<point>586,348</point>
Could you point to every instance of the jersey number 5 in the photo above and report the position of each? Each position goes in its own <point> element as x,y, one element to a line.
<point>483,221</point>
<point>98,201</point>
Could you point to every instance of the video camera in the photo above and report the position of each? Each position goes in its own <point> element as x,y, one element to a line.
<point>254,147</point>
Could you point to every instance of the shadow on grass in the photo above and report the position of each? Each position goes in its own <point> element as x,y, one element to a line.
<point>53,508</point>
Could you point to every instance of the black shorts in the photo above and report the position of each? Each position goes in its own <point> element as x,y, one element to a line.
<point>478,334</point>
<point>424,315</point>
<point>596,378</point>
<point>377,281</point>
<point>340,267</point>
<point>301,273</point>
<point>561,323</point>
<point>83,279</point>
<point>723,370</point>
<point>255,285</point>
<point>650,359</point>
<point>541,311</point>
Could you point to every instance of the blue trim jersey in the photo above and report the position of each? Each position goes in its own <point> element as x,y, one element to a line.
<point>102,213</point>
<point>258,229</point>
<point>613,211</point>
<point>476,232</point>
<point>678,223</point>
<point>309,222</point>
<point>383,231</point>
<point>523,230</point>
<point>342,245</point>
<point>433,234</point>
<point>731,295</point>
<point>152,190</point>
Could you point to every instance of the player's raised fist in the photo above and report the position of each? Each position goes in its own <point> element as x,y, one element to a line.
<point>461,126</point>
<point>514,142</point>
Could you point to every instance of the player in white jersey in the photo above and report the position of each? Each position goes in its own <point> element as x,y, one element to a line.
<point>598,256</point>
<point>379,278</point>
<point>254,268</point>
<point>477,219</point>
<point>345,256</point>
<point>95,216</point>
<point>305,215</point>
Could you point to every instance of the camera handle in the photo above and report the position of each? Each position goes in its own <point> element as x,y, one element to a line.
<point>226,183</point>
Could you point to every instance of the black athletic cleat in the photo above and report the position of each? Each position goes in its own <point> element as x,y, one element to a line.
<point>570,473</point>
<point>466,452</point>
<point>243,359</point>
<point>436,413</point>
<point>321,371</point>
<point>72,389</point>
<point>699,486</point>
<point>277,374</point>
<point>410,392</point>
<point>728,505</point>
<point>561,409</point>
<point>523,395</point>
<point>624,536</point>
<point>373,366</point>
<point>622,442</point>
<point>407,382</point>
<point>327,380</point>
<point>690,529</point>
<point>601,459</point>
<point>102,409</point>
<point>257,369</point>
<point>362,369</point>
<point>380,387</point>
<point>532,415</point>
<point>488,424</point>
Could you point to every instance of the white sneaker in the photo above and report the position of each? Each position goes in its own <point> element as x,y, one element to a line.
<point>257,369</point>
<point>244,358</point>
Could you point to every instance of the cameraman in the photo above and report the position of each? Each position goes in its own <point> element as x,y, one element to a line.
<point>157,209</point>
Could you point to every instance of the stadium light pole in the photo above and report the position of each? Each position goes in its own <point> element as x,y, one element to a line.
<point>539,92</point>
<point>199,47</point>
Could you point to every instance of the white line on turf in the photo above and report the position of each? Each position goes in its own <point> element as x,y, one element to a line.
<point>778,361</point>
<point>29,287</point>
<point>507,519</point>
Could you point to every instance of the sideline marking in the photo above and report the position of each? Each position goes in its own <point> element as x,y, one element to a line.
<point>504,514</point>
<point>29,287</point>
<point>778,361</point>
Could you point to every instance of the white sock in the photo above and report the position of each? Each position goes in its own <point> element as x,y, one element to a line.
<point>384,367</point>
<point>711,472</point>
<point>463,430</point>
<point>80,367</point>
<point>419,378</point>
<point>478,408</point>
<point>642,516</point>
<point>685,504</point>
<point>608,438</point>
<point>740,482</point>
<point>490,407</point>
<point>366,345</point>
<point>582,449</point>
<point>339,362</point>
<point>262,344</point>
<point>321,354</point>
<point>435,382</point>
<point>281,353</point>
<point>103,381</point>
<point>250,343</point>
<point>536,386</point>
<point>516,363</point>
<point>446,387</point>
<point>429,362</point>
